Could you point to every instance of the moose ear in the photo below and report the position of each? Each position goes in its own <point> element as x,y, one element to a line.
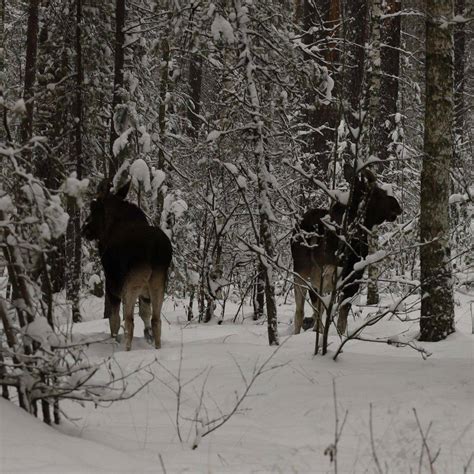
<point>369,177</point>
<point>348,173</point>
<point>122,192</point>
<point>103,189</point>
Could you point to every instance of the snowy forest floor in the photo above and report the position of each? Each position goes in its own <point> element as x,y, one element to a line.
<point>287,420</point>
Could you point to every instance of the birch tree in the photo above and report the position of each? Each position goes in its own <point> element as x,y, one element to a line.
<point>437,307</point>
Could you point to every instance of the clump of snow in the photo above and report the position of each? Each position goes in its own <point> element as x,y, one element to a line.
<point>241,182</point>
<point>178,208</point>
<point>458,198</point>
<point>76,188</point>
<point>328,82</point>
<point>388,188</point>
<point>34,193</point>
<point>212,136</point>
<point>44,231</point>
<point>193,277</point>
<point>231,168</point>
<point>159,177</point>
<point>370,259</point>
<point>121,142</point>
<point>56,217</point>
<point>19,107</point>
<point>145,139</point>
<point>40,331</point>
<point>6,204</point>
<point>121,176</point>
<point>340,196</point>
<point>140,174</point>
<point>93,280</point>
<point>221,28</point>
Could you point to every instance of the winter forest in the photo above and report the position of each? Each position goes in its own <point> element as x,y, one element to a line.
<point>236,236</point>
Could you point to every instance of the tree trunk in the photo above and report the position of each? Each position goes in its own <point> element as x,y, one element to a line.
<point>390,63</point>
<point>459,65</point>
<point>375,131</point>
<point>164,81</point>
<point>322,116</point>
<point>195,81</point>
<point>437,307</point>
<point>259,292</point>
<point>30,69</point>
<point>264,209</point>
<point>119,63</point>
<point>2,68</point>
<point>74,240</point>
<point>355,36</point>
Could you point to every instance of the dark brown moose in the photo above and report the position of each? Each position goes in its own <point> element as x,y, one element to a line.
<point>318,246</point>
<point>135,257</point>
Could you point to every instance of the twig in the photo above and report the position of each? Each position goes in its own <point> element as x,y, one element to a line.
<point>424,436</point>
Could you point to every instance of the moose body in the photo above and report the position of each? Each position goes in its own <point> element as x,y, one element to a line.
<point>135,257</point>
<point>319,246</point>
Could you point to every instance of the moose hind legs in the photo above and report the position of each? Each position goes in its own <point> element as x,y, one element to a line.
<point>300,293</point>
<point>316,321</point>
<point>157,294</point>
<point>144,310</point>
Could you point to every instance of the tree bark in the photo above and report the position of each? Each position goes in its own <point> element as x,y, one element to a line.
<point>437,307</point>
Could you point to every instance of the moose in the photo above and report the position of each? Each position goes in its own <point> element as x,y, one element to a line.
<point>135,257</point>
<point>319,246</point>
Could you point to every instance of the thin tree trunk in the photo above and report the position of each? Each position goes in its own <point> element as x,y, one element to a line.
<point>74,240</point>
<point>376,125</point>
<point>119,63</point>
<point>259,292</point>
<point>30,69</point>
<point>459,66</point>
<point>319,115</point>
<point>262,176</point>
<point>195,82</point>
<point>437,306</point>
<point>164,82</point>
<point>390,63</point>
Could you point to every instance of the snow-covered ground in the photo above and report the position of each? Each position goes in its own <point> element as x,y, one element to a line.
<point>286,422</point>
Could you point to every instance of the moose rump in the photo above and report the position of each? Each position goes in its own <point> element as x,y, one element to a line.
<point>135,257</point>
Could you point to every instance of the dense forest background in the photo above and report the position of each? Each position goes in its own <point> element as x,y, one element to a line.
<point>231,118</point>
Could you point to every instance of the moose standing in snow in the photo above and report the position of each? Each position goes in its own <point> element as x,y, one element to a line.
<point>328,238</point>
<point>135,257</point>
